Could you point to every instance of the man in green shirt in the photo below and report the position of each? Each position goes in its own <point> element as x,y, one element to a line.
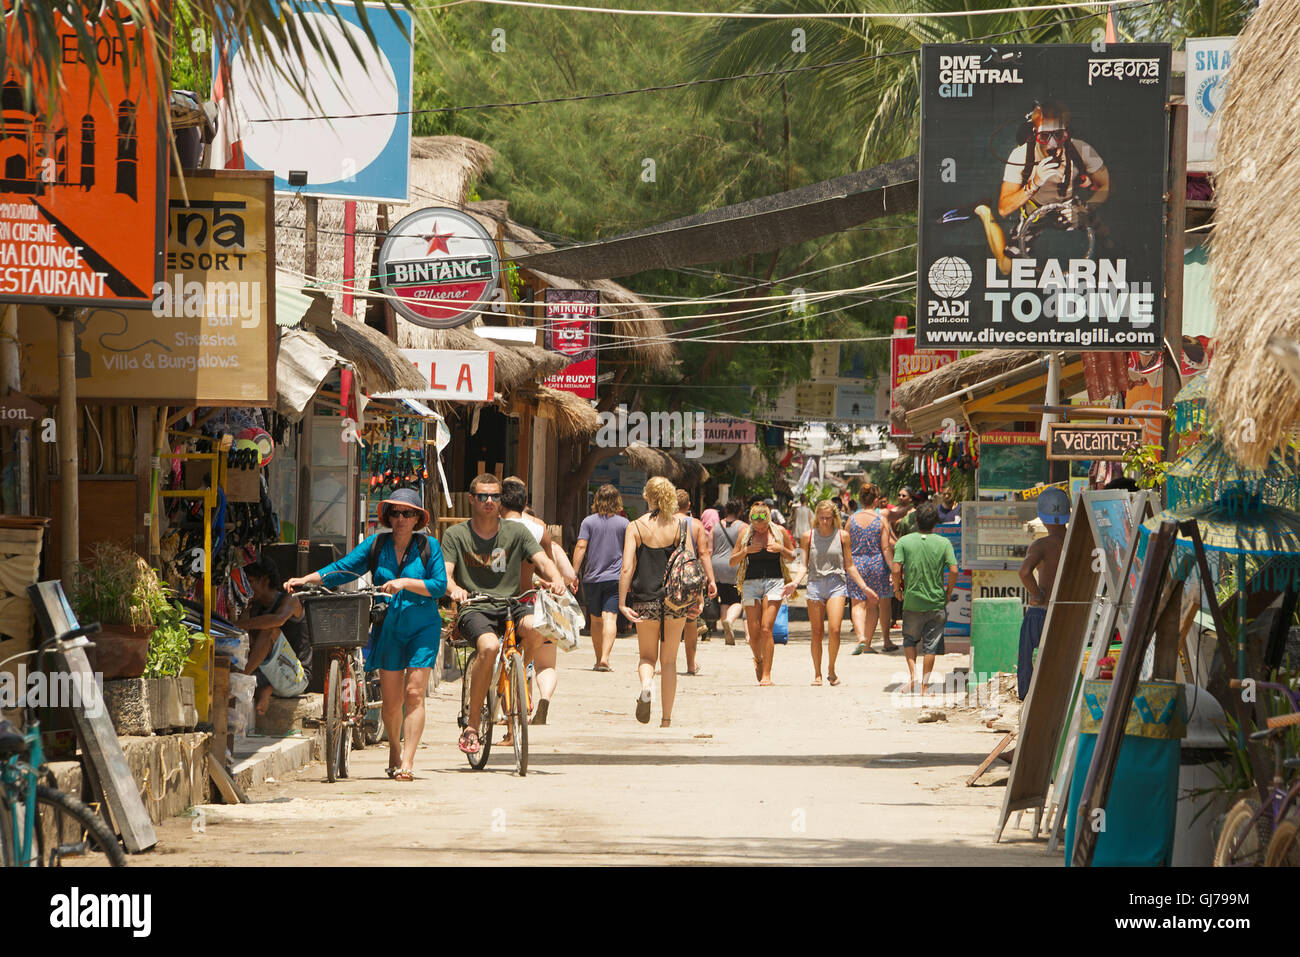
<point>920,560</point>
<point>483,555</point>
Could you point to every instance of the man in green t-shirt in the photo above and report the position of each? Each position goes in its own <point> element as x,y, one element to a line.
<point>483,555</point>
<point>920,560</point>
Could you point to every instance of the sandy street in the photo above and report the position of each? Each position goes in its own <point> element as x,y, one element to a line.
<point>792,774</point>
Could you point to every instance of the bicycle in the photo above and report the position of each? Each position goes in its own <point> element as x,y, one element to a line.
<point>1255,833</point>
<point>340,622</point>
<point>41,826</point>
<point>508,692</point>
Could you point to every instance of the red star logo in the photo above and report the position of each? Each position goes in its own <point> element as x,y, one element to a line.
<point>437,241</point>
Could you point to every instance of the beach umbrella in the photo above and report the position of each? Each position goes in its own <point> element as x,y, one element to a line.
<point>1210,472</point>
<point>1189,405</point>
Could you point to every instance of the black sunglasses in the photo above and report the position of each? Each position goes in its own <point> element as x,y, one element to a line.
<point>488,496</point>
<point>401,513</point>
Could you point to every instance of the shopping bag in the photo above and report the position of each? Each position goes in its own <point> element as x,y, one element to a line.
<point>283,669</point>
<point>781,627</point>
<point>558,618</point>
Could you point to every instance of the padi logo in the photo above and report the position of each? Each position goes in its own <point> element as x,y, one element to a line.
<point>74,910</point>
<point>949,278</point>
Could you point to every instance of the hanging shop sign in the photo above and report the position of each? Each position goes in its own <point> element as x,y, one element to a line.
<point>454,375</point>
<point>570,331</point>
<point>1010,461</point>
<point>18,411</point>
<point>1207,84</point>
<point>729,431</point>
<point>209,337</point>
<point>1072,440</point>
<point>1042,196</point>
<point>906,363</point>
<point>442,267</point>
<point>346,123</point>
<point>83,194</point>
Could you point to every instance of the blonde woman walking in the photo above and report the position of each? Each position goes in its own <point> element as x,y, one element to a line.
<point>649,543</point>
<point>872,547</point>
<point>830,569</point>
<point>760,558</point>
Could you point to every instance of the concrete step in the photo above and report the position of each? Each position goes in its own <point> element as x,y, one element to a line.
<point>257,757</point>
<point>286,715</point>
<point>170,770</point>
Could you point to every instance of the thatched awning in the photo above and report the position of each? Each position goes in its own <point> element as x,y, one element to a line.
<point>748,462</point>
<point>957,375</point>
<point>754,226</point>
<point>1256,260</point>
<point>379,364</point>
<point>678,469</point>
<point>573,416</point>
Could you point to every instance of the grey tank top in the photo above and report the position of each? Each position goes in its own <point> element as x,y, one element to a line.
<point>827,558</point>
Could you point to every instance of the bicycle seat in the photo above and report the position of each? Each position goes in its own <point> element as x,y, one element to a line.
<point>11,739</point>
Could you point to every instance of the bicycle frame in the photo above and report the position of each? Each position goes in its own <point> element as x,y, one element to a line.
<point>1281,799</point>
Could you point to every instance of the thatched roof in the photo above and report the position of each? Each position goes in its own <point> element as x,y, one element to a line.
<point>381,367</point>
<point>633,315</point>
<point>514,366</point>
<point>676,468</point>
<point>573,416</point>
<point>1256,261</point>
<point>957,375</point>
<point>748,462</point>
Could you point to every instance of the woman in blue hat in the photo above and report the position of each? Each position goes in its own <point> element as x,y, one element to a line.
<point>407,564</point>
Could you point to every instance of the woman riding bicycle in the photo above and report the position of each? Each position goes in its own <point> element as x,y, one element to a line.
<point>404,646</point>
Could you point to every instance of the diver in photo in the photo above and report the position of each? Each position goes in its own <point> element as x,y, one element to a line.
<point>1041,184</point>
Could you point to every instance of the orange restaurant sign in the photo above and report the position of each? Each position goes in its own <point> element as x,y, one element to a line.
<point>82,195</point>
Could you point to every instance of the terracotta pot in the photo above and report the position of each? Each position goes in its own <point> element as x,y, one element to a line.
<point>120,651</point>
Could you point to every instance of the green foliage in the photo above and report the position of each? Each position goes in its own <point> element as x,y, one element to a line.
<point>1145,462</point>
<point>171,642</point>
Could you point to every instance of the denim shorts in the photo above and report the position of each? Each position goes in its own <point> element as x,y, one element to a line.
<point>756,589</point>
<point>820,589</point>
<point>601,596</point>
<point>925,628</point>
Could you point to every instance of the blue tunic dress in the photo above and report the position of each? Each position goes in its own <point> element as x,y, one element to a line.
<point>412,628</point>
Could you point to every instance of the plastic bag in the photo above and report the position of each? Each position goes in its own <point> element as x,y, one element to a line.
<point>283,669</point>
<point>558,618</point>
<point>242,689</point>
<point>781,627</point>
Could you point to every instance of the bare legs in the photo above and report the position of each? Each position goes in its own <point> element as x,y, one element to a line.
<point>835,619</point>
<point>759,619</point>
<point>404,690</point>
<point>652,651</point>
<point>816,618</point>
<point>926,667</point>
<point>547,678</point>
<point>603,628</point>
<point>690,637</point>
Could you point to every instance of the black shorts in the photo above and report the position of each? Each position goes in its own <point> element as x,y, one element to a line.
<point>728,594</point>
<point>473,622</point>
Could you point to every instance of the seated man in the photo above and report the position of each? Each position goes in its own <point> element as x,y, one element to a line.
<point>484,555</point>
<point>282,667</point>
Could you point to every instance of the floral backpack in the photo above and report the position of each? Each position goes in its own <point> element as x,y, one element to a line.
<point>684,579</point>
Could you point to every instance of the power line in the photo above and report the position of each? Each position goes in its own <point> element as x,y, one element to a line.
<point>704,81</point>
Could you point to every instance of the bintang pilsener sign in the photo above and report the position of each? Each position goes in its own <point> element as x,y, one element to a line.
<point>1067,440</point>
<point>441,266</point>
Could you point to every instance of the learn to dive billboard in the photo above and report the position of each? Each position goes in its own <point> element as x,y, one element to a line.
<point>1043,174</point>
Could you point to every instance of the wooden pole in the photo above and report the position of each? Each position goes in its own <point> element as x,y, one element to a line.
<point>69,467</point>
<point>312,205</point>
<point>9,350</point>
<point>1176,225</point>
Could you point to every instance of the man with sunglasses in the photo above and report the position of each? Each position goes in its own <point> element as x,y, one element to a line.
<point>484,555</point>
<point>1050,165</point>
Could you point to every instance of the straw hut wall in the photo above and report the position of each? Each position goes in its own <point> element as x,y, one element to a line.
<point>1256,261</point>
<point>572,416</point>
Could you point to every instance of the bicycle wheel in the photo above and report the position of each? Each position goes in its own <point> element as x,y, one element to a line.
<point>476,761</point>
<point>1284,848</point>
<point>347,702</point>
<point>333,720</point>
<point>1242,842</point>
<point>518,708</point>
<point>70,834</point>
<point>6,833</point>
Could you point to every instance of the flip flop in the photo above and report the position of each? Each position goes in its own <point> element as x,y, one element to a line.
<point>642,710</point>
<point>862,648</point>
<point>832,681</point>
<point>469,741</point>
<point>391,771</point>
<point>816,682</point>
<point>404,774</point>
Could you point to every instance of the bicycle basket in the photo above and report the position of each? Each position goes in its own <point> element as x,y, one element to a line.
<point>337,620</point>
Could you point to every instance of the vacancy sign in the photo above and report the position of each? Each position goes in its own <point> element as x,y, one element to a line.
<point>452,375</point>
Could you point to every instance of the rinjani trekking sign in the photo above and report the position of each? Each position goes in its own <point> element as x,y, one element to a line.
<point>209,337</point>
<point>1042,196</point>
<point>83,194</point>
<point>570,321</point>
<point>906,363</point>
<point>1067,441</point>
<point>442,267</point>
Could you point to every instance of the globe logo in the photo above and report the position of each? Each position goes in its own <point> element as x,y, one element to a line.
<point>950,277</point>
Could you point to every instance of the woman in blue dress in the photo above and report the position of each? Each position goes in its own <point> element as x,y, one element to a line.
<point>404,648</point>
<point>872,547</point>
